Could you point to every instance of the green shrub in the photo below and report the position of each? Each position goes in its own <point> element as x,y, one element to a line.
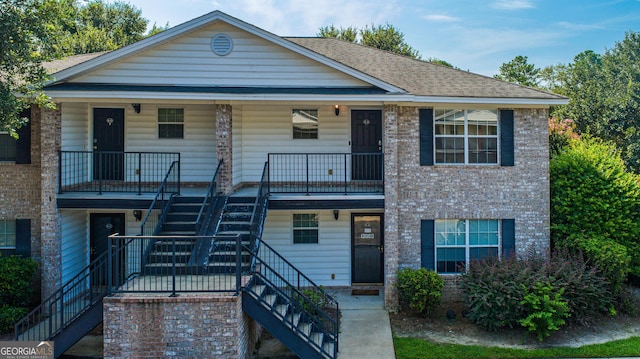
<point>9,316</point>
<point>493,290</point>
<point>595,205</point>
<point>420,289</point>
<point>16,281</point>
<point>586,289</point>
<point>546,309</point>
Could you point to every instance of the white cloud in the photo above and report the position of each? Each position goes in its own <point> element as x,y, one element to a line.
<point>304,18</point>
<point>580,27</point>
<point>512,4</point>
<point>442,18</point>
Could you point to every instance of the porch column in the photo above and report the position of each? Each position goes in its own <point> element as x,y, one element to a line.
<point>51,237</point>
<point>390,206</point>
<point>224,149</point>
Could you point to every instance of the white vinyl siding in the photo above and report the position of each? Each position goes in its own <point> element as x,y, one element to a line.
<point>267,129</point>
<point>331,255</point>
<point>189,60</point>
<point>75,242</point>
<point>76,122</point>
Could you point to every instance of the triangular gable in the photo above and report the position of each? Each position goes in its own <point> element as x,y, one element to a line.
<point>183,56</point>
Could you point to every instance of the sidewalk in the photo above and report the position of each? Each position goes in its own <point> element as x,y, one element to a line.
<point>365,330</point>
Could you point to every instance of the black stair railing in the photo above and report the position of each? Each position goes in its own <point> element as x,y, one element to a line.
<point>169,187</point>
<point>259,210</point>
<point>306,297</point>
<point>208,207</point>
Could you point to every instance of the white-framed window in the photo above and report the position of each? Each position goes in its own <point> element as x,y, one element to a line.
<point>458,241</point>
<point>7,234</point>
<point>305,228</point>
<point>7,147</point>
<point>170,123</point>
<point>466,136</point>
<point>305,123</point>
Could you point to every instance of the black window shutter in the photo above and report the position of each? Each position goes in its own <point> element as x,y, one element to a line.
<point>427,244</point>
<point>506,138</point>
<point>508,237</point>
<point>23,144</point>
<point>426,137</point>
<point>23,237</point>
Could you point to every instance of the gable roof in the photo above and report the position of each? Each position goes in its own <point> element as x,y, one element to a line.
<point>399,78</point>
<point>418,77</point>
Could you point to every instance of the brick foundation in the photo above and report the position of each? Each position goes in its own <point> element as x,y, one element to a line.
<point>181,327</point>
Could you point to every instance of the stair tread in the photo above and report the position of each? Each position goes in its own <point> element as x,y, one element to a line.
<point>178,264</point>
<point>317,338</point>
<point>161,253</point>
<point>282,309</point>
<point>270,299</point>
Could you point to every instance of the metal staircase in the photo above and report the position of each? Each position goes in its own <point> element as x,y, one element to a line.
<point>235,220</point>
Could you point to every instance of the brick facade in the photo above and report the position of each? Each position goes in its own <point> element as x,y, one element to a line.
<point>224,148</point>
<point>466,191</point>
<point>20,187</point>
<point>51,243</point>
<point>180,327</point>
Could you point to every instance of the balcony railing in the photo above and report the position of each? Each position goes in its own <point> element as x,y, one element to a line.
<point>345,173</point>
<point>106,171</point>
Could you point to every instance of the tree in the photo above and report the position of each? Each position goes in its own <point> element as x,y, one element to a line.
<point>22,35</point>
<point>93,26</point>
<point>520,71</point>
<point>384,37</point>
<point>436,61</point>
<point>595,207</point>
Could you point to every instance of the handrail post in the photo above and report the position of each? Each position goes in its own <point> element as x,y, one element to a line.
<point>345,173</point>
<point>59,171</point>
<point>139,173</point>
<point>178,173</point>
<point>238,263</point>
<point>173,270</point>
<point>99,172</point>
<point>110,265</point>
<point>307,163</point>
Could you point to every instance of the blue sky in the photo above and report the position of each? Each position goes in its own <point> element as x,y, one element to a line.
<point>474,35</point>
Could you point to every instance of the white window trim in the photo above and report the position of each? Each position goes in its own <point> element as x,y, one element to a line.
<point>466,137</point>
<point>294,228</point>
<point>466,246</point>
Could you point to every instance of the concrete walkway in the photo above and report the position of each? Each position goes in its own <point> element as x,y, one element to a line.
<point>365,330</point>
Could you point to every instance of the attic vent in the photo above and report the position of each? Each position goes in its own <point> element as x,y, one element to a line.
<point>221,44</point>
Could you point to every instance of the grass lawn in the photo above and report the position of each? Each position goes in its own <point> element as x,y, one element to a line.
<point>411,348</point>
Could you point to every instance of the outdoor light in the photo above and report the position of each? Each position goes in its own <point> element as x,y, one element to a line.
<point>336,213</point>
<point>137,214</point>
<point>337,109</point>
<point>136,107</point>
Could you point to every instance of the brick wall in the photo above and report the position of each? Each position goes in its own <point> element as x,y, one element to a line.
<point>224,147</point>
<point>470,192</point>
<point>20,187</point>
<point>184,326</point>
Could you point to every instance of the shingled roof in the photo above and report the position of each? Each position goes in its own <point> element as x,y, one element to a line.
<point>417,77</point>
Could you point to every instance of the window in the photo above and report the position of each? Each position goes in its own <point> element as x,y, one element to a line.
<point>466,136</point>
<point>305,124</point>
<point>458,241</point>
<point>305,228</point>
<point>7,234</point>
<point>7,147</point>
<point>171,123</point>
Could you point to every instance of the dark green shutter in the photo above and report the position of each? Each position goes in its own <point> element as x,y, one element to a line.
<point>427,244</point>
<point>23,144</point>
<point>508,237</point>
<point>506,138</point>
<point>426,137</point>
<point>23,237</point>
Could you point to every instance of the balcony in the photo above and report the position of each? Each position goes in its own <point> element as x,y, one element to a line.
<point>326,173</point>
<point>123,172</point>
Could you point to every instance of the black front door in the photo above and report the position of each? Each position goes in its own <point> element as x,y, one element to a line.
<point>108,144</point>
<point>366,144</point>
<point>102,225</point>
<point>367,252</point>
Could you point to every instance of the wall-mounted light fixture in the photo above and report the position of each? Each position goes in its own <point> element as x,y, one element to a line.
<point>337,110</point>
<point>336,214</point>
<point>136,107</point>
<point>137,214</point>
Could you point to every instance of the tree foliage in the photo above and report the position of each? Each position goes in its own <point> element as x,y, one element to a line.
<point>595,207</point>
<point>520,71</point>
<point>23,36</point>
<point>385,37</point>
